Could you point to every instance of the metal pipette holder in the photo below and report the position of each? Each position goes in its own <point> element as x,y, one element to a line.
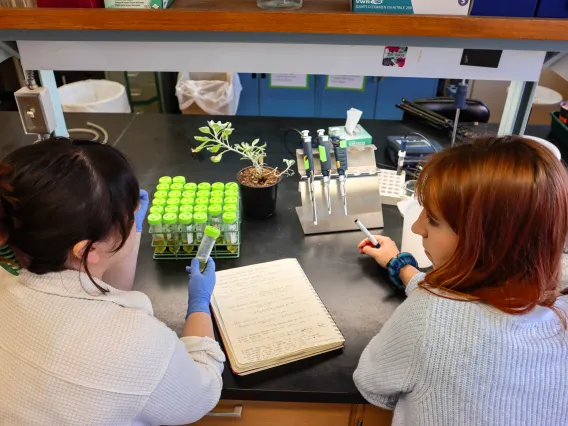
<point>363,194</point>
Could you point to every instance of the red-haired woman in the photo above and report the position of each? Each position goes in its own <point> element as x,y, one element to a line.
<point>481,339</point>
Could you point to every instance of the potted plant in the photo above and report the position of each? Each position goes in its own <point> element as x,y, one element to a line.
<point>258,182</point>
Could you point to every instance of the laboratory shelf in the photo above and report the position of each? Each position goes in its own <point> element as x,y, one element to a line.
<point>316,17</point>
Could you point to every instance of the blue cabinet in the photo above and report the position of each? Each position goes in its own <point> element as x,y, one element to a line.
<point>392,89</point>
<point>518,8</point>
<point>287,102</point>
<point>552,9</point>
<point>249,101</point>
<point>334,103</point>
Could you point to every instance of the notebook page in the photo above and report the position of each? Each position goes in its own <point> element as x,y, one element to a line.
<point>270,310</point>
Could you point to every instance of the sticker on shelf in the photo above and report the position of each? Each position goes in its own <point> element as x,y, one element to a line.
<point>289,81</point>
<point>395,56</point>
<point>345,82</point>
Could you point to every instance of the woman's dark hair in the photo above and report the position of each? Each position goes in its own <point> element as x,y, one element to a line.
<point>59,192</point>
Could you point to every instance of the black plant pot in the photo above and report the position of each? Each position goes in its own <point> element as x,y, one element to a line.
<point>258,202</point>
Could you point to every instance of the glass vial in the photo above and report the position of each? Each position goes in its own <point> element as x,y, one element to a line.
<point>230,231</point>
<point>200,223</point>
<point>156,229</point>
<point>172,231</point>
<point>186,225</point>
<point>204,251</point>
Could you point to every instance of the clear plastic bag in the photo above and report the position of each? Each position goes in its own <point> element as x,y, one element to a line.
<point>209,93</point>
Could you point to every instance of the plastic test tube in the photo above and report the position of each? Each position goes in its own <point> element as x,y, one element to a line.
<point>186,225</point>
<point>218,186</point>
<point>204,251</point>
<point>172,231</point>
<point>163,187</point>
<point>179,179</point>
<point>174,194</point>
<point>156,228</point>
<point>200,221</point>
<point>215,217</point>
<point>176,187</point>
<point>161,194</point>
<point>165,179</point>
<point>230,229</point>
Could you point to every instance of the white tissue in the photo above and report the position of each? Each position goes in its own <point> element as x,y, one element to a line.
<point>353,117</point>
<point>411,242</point>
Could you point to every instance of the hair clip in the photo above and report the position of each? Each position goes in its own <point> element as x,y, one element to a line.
<point>8,260</point>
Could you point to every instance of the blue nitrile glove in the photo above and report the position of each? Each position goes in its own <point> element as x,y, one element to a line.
<point>200,287</point>
<point>140,214</point>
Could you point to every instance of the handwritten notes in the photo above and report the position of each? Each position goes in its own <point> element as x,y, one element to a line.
<point>270,312</point>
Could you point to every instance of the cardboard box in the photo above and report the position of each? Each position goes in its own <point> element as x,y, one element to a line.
<point>360,138</point>
<point>417,7</point>
<point>138,4</point>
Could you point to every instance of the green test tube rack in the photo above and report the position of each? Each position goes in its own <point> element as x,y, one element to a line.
<point>178,251</point>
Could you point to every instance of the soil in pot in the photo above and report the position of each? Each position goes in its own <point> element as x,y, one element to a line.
<point>258,199</point>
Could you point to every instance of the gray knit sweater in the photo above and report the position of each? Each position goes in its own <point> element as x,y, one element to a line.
<point>440,362</point>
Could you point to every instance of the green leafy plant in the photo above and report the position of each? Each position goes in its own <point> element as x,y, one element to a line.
<point>216,141</point>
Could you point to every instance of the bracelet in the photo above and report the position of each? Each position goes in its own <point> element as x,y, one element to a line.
<point>396,264</point>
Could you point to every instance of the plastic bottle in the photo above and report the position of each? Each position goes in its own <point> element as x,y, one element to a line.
<point>215,218</point>
<point>179,179</point>
<point>218,186</point>
<point>216,200</point>
<point>217,193</point>
<point>188,194</point>
<point>207,243</point>
<point>159,202</point>
<point>157,210</point>
<point>165,179</point>
<point>171,209</point>
<point>230,231</point>
<point>200,223</point>
<point>161,194</point>
<point>172,231</point>
<point>163,187</point>
<point>156,228</point>
<point>174,194</point>
<point>176,187</point>
<point>202,193</point>
<point>202,201</point>
<point>186,209</point>
<point>191,186</point>
<point>204,186</point>
<point>186,225</point>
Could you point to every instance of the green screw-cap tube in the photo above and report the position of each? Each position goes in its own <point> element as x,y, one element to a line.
<point>187,202</point>
<point>218,186</point>
<point>165,179</point>
<point>204,186</point>
<point>173,202</point>
<point>176,187</point>
<point>159,202</point>
<point>191,186</point>
<point>229,217</point>
<point>200,208</point>
<point>185,218</point>
<point>155,219</point>
<point>215,210</point>
<point>231,193</point>
<point>179,179</point>
<point>202,193</point>
<point>217,193</point>
<point>202,201</point>
<point>186,209</point>
<point>212,232</point>
<point>157,210</point>
<point>232,185</point>
<point>170,218</point>
<point>172,209</point>
<point>188,194</point>
<point>216,200</point>
<point>174,194</point>
<point>231,200</point>
<point>163,187</point>
<point>230,208</point>
<point>200,217</point>
<point>161,194</point>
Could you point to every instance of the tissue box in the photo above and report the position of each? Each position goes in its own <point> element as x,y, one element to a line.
<point>138,4</point>
<point>360,138</point>
<point>418,7</point>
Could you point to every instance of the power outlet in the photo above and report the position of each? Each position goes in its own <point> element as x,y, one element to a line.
<point>36,110</point>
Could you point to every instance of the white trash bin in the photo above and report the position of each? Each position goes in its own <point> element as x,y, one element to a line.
<point>94,96</point>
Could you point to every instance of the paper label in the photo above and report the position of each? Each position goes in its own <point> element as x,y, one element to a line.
<point>395,56</point>
<point>297,81</point>
<point>346,82</point>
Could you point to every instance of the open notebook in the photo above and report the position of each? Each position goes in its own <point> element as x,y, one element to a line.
<point>269,315</point>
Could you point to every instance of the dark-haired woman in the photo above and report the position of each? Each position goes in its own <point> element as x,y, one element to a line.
<point>482,339</point>
<point>76,346</point>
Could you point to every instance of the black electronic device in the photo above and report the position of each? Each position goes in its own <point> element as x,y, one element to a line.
<point>417,148</point>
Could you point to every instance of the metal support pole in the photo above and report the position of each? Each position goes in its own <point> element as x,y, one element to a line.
<point>517,107</point>
<point>47,79</point>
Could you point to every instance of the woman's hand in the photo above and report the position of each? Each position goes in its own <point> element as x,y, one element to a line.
<point>140,213</point>
<point>201,285</point>
<point>382,255</point>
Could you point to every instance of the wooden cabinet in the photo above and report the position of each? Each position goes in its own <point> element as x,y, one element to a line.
<point>257,413</point>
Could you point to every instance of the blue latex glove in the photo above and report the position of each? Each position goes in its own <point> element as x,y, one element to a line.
<point>142,210</point>
<point>200,287</point>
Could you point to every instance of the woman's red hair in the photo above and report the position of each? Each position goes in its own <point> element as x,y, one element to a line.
<point>507,200</point>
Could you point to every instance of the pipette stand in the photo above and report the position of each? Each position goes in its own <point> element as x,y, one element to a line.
<point>363,194</point>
